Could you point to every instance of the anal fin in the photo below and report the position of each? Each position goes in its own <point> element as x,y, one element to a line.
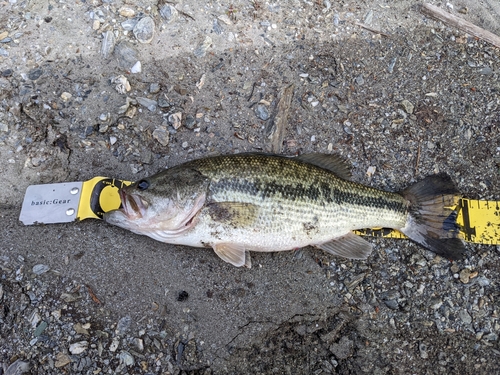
<point>348,246</point>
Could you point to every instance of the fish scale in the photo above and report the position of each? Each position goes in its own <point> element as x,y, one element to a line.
<point>294,184</point>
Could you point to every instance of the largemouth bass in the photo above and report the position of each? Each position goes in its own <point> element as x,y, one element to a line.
<point>257,202</point>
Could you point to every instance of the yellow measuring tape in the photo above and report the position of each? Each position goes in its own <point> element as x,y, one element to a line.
<point>479,220</point>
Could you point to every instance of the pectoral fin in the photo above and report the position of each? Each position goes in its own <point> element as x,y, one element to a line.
<point>348,246</point>
<point>234,254</point>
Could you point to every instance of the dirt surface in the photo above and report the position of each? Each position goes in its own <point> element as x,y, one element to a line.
<point>418,99</point>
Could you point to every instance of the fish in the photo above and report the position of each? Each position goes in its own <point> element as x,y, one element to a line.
<point>240,203</point>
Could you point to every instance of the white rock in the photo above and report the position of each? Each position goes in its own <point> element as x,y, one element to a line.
<point>137,68</point>
<point>126,12</point>
<point>114,344</point>
<point>40,268</point>
<point>65,96</point>
<point>78,347</point>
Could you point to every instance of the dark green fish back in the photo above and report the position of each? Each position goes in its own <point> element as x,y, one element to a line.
<point>290,179</point>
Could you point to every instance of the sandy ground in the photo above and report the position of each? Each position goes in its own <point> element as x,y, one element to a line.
<point>223,65</point>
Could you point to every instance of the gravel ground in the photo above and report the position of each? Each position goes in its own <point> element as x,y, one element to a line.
<point>126,88</point>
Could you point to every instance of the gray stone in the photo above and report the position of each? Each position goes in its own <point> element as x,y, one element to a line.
<point>144,30</point>
<point>343,348</point>
<point>148,103</point>
<point>34,74</point>
<point>169,13</point>
<point>108,44</point>
<point>262,112</point>
<point>126,54</point>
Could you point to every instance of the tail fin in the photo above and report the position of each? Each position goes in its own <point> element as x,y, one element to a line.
<point>432,220</point>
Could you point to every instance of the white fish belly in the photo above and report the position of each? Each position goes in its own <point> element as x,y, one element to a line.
<point>278,229</point>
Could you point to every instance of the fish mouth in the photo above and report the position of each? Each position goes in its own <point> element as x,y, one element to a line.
<point>133,206</point>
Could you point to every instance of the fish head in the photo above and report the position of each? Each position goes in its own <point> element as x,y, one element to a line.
<point>164,203</point>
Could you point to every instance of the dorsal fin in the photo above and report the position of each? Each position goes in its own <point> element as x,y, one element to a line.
<point>333,163</point>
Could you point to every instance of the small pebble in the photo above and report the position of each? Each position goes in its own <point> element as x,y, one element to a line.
<point>465,275</point>
<point>126,358</point>
<point>190,122</point>
<point>465,316</point>
<point>78,347</point>
<point>17,368</point>
<point>123,325</point>
<point>154,88</point>
<point>108,44</point>
<point>40,269</point>
<point>35,74</point>
<point>202,49</point>
<point>122,84</point>
<point>62,360</point>
<point>262,112</point>
<point>65,96</point>
<point>126,12</point>
<point>139,344</point>
<point>360,80</point>
<point>225,19</point>
<point>126,54</point>
<point>164,103</point>
<point>114,344</point>
<point>423,351</point>
<point>39,330</point>
<point>148,103</point>
<point>162,135</point>
<point>129,24</point>
<point>169,13</point>
<point>137,68</point>
<point>175,119</point>
<point>407,106</point>
<point>144,30</point>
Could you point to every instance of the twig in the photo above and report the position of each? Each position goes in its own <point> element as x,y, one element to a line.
<point>418,158</point>
<point>278,127</point>
<point>372,29</point>
<point>461,24</point>
<point>92,295</point>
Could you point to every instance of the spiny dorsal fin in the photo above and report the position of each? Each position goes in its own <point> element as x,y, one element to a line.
<point>333,163</point>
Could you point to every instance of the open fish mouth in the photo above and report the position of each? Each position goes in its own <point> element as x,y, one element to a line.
<point>133,206</point>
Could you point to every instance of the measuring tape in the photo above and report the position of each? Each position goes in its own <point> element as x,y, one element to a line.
<point>479,220</point>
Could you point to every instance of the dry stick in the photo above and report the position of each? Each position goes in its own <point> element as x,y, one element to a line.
<point>371,29</point>
<point>461,24</point>
<point>277,131</point>
<point>418,158</point>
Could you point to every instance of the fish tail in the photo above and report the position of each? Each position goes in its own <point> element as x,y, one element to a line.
<point>432,218</point>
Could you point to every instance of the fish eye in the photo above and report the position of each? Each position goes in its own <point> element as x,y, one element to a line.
<point>142,185</point>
